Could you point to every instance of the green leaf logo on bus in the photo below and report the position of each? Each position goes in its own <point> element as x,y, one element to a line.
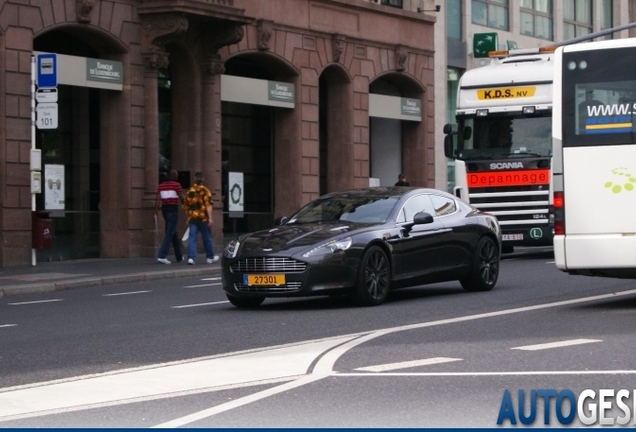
<point>623,181</point>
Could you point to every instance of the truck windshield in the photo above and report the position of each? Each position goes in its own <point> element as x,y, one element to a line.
<point>505,137</point>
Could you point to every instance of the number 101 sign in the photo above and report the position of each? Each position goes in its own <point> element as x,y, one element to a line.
<point>46,116</point>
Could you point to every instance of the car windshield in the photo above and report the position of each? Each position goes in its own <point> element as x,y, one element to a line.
<point>506,137</point>
<point>358,209</point>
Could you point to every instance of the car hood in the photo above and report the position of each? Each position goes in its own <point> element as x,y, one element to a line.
<point>293,238</point>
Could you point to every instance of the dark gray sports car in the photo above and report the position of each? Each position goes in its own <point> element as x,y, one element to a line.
<point>363,243</point>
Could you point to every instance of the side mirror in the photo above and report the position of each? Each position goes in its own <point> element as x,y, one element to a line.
<point>422,218</point>
<point>280,221</point>
<point>448,146</point>
<point>448,129</point>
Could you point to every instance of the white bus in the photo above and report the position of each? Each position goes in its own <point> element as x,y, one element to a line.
<point>502,143</point>
<point>594,165</point>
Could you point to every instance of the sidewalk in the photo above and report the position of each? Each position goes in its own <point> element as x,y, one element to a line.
<point>63,275</point>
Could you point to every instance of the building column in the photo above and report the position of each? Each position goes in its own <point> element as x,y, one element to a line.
<point>153,61</point>
<point>211,67</point>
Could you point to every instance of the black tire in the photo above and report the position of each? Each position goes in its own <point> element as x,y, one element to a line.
<point>485,269</point>
<point>245,303</point>
<point>374,278</point>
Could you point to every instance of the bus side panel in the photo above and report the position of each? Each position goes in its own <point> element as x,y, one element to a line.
<point>600,207</point>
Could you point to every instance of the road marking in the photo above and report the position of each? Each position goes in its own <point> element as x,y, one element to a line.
<point>7,325</point>
<point>162,381</point>
<point>475,374</point>
<point>559,344</point>
<point>126,293</point>
<point>311,361</point>
<point>213,278</point>
<point>408,364</point>
<point>34,302</point>
<point>200,304</point>
<point>202,285</point>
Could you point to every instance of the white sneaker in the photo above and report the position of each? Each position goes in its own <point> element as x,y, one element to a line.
<point>163,260</point>
<point>190,261</point>
<point>213,260</point>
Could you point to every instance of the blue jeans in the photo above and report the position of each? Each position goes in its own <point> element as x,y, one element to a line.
<point>171,216</point>
<point>195,228</point>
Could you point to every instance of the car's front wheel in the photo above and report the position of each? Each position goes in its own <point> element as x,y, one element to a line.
<point>485,269</point>
<point>374,278</point>
<point>245,303</point>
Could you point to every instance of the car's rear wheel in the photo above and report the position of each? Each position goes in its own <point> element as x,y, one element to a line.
<point>485,269</point>
<point>245,303</point>
<point>374,278</point>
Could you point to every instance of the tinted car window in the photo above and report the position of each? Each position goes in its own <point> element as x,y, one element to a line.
<point>420,203</point>
<point>443,206</point>
<point>346,208</point>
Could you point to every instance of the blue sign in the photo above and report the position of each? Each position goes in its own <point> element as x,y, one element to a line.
<point>46,70</point>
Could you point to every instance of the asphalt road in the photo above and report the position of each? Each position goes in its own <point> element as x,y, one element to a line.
<point>176,353</point>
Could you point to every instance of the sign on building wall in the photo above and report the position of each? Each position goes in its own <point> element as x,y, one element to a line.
<point>483,43</point>
<point>411,107</point>
<point>104,71</point>
<point>236,197</point>
<point>54,187</point>
<point>280,91</point>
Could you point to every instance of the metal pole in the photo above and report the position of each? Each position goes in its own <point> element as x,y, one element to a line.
<point>33,120</point>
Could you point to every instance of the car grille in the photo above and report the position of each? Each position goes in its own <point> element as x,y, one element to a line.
<point>288,287</point>
<point>268,265</point>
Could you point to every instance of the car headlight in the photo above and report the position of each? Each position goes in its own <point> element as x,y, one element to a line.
<point>232,248</point>
<point>330,247</point>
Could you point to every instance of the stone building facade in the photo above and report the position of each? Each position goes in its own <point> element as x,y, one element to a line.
<point>189,99</point>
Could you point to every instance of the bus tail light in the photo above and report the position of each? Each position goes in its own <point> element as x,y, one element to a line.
<point>559,213</point>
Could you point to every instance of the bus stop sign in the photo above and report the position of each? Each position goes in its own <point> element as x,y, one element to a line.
<point>46,70</point>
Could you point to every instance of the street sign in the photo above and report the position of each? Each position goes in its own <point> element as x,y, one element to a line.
<point>46,95</point>
<point>46,116</point>
<point>46,70</point>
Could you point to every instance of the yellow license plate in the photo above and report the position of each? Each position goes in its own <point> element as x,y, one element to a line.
<point>264,279</point>
<point>505,93</point>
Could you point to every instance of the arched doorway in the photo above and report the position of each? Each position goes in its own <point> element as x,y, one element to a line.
<point>81,149</point>
<point>259,141</point>
<point>397,127</point>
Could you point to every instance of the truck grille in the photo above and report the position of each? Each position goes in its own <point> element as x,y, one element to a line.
<point>518,207</point>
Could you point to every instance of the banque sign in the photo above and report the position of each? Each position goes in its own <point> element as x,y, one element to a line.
<point>280,91</point>
<point>104,70</point>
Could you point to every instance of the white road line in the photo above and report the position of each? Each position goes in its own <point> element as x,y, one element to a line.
<point>126,293</point>
<point>476,374</point>
<point>202,285</point>
<point>325,364</point>
<point>313,361</point>
<point>551,262</point>
<point>559,344</point>
<point>200,304</point>
<point>214,278</point>
<point>34,302</point>
<point>7,325</point>
<point>408,364</point>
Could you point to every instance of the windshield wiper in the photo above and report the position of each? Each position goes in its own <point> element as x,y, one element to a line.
<point>524,153</point>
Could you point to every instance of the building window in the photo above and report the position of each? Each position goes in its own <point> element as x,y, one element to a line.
<point>577,18</point>
<point>490,13</point>
<point>454,19</point>
<point>536,18</point>
<point>606,17</point>
<point>394,3</point>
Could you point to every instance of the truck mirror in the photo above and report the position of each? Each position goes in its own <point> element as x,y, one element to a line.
<point>448,129</point>
<point>448,146</point>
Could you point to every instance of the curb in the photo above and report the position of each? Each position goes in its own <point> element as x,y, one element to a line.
<point>85,282</point>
